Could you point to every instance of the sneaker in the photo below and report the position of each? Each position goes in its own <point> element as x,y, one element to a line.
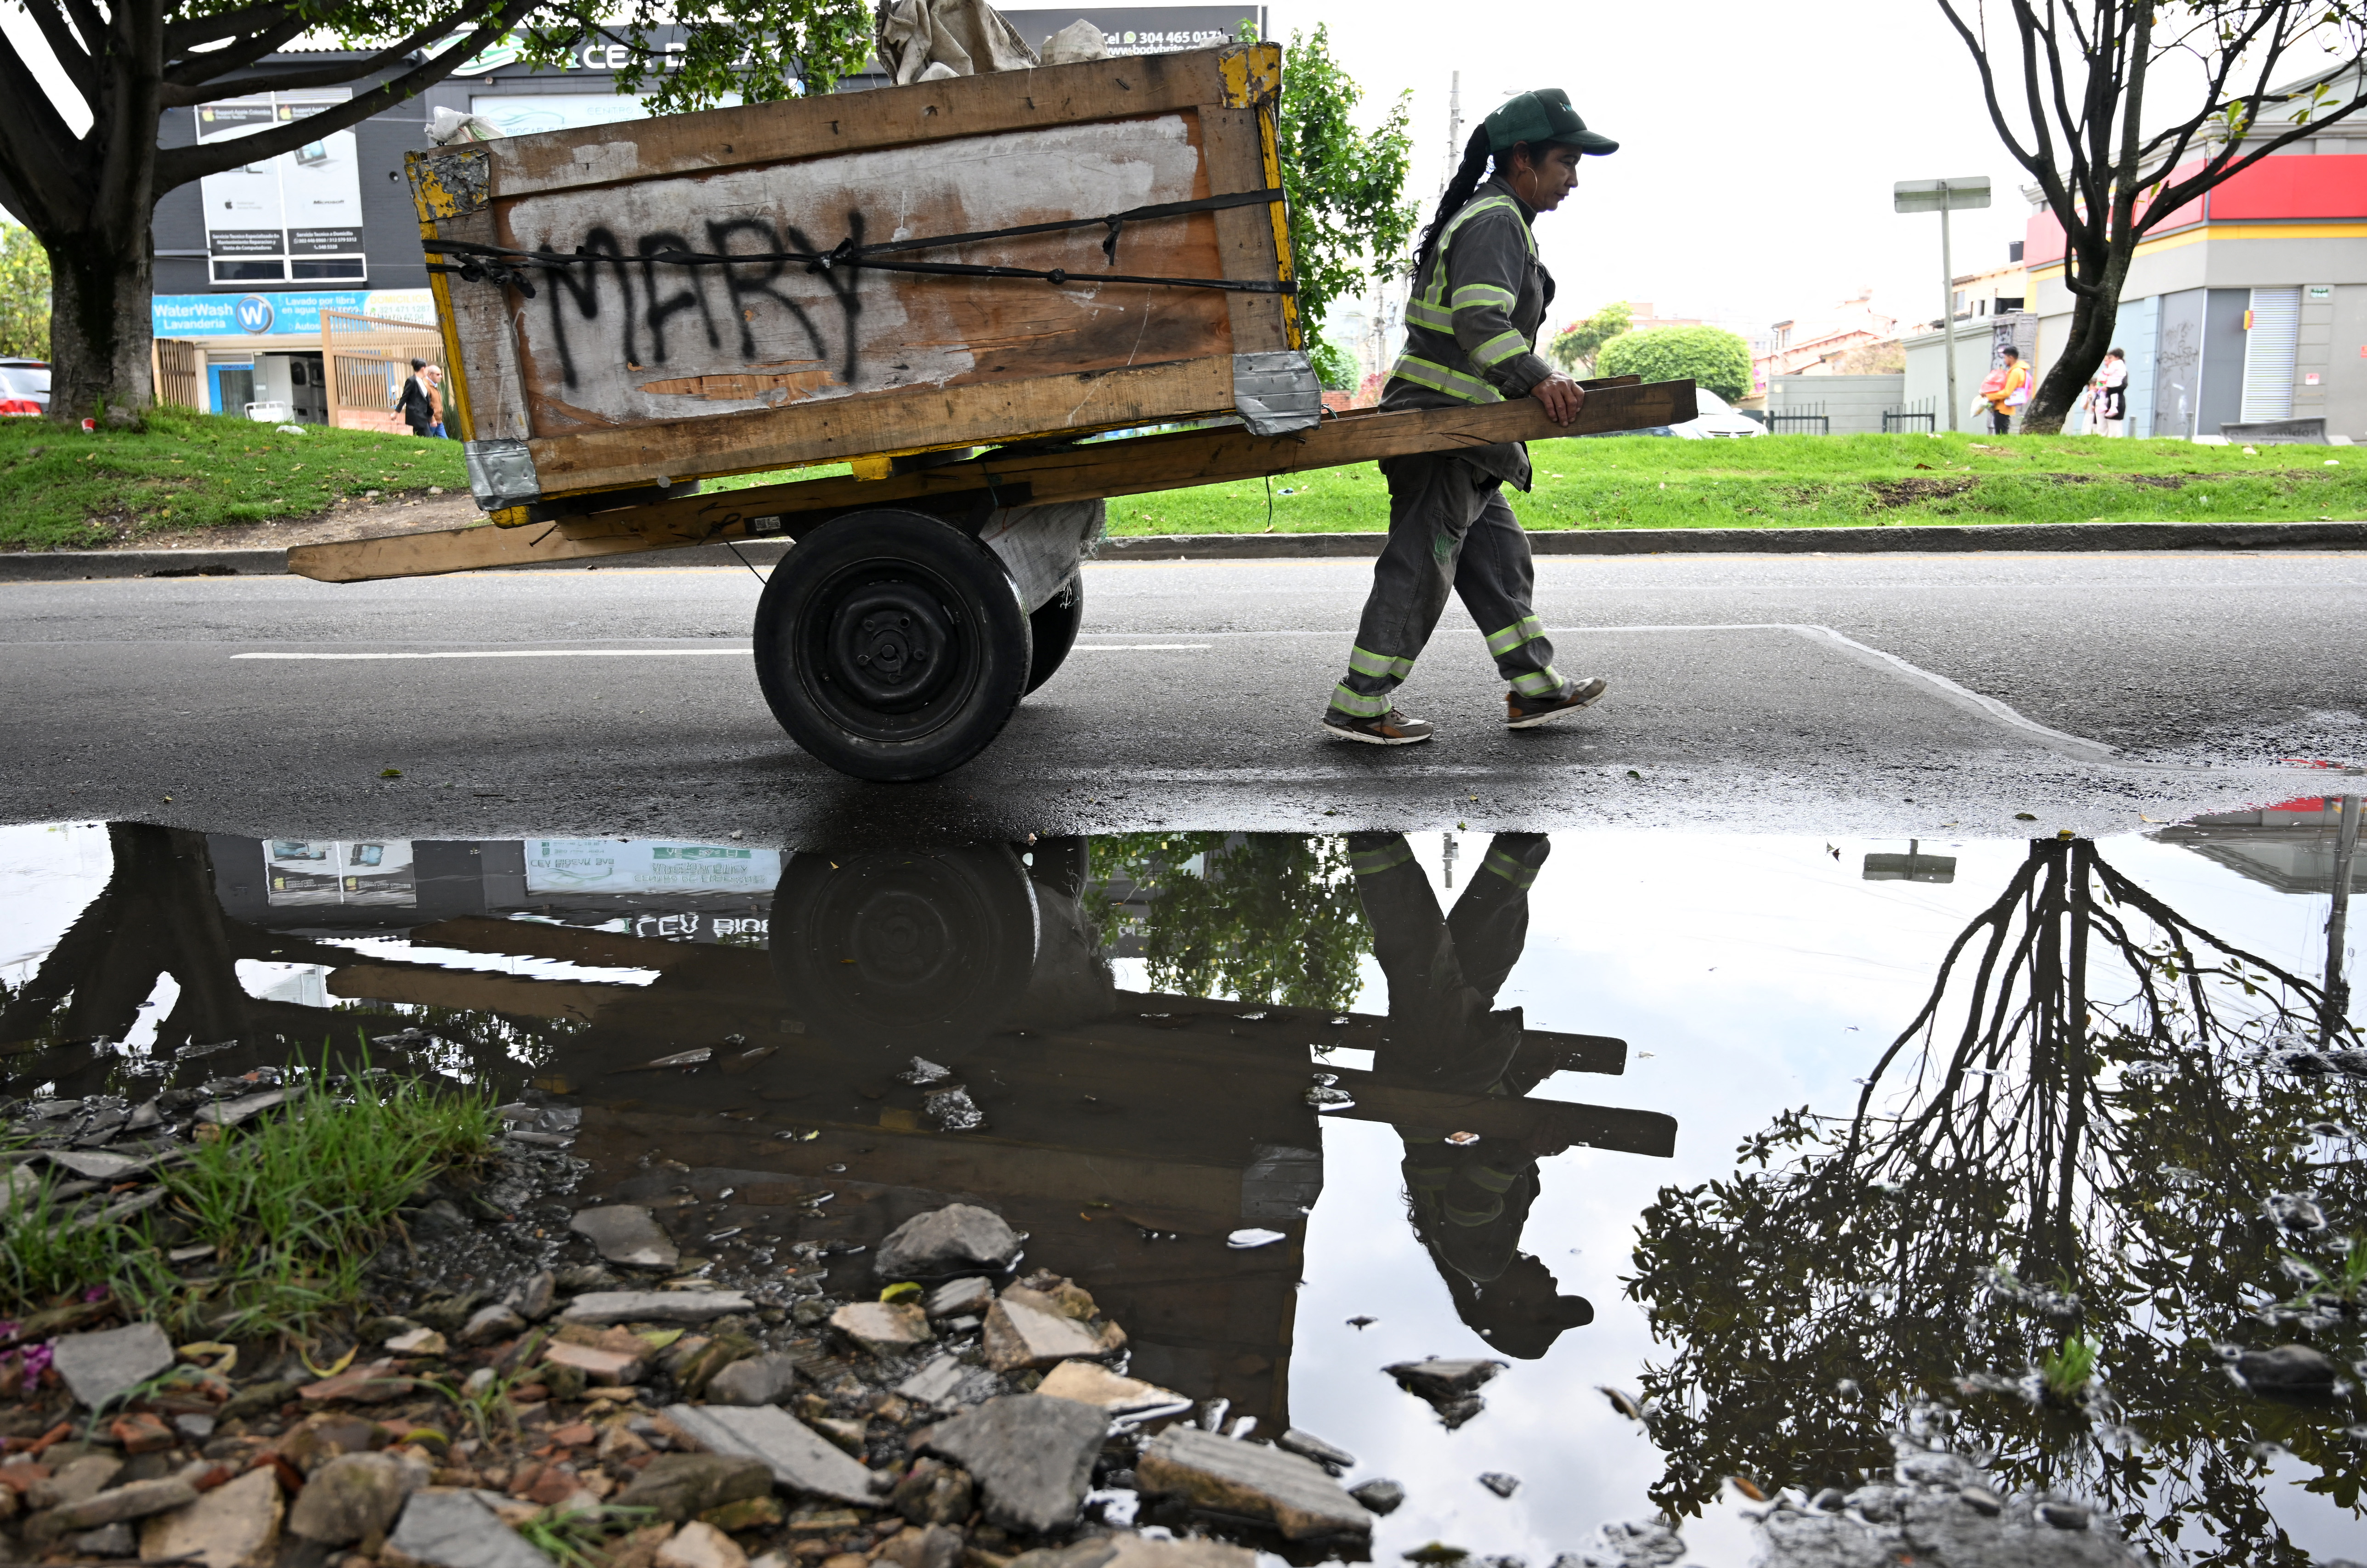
<point>1525,712</point>
<point>1390,729</point>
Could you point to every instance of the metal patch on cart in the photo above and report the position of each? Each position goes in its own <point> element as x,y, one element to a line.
<point>1277,392</point>
<point>501,473</point>
<point>449,181</point>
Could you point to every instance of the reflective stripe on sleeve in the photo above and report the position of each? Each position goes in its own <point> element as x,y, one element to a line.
<point>1438,377</point>
<point>1519,873</point>
<point>1501,347</point>
<point>1373,862</point>
<point>1475,294</point>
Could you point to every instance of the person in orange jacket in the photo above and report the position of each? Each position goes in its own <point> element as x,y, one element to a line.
<point>2006,395</point>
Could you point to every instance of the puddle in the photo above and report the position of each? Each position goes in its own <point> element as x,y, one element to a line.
<point>1740,1153</point>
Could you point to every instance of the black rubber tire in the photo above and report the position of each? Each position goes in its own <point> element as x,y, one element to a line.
<point>891,646</point>
<point>905,948</point>
<point>1054,625</point>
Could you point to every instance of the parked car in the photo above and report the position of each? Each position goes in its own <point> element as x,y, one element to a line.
<point>23,386</point>
<point>1714,420</point>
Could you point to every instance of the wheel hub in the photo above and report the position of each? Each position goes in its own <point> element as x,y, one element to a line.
<point>891,646</point>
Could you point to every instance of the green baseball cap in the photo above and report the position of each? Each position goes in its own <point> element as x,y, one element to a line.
<point>1543,116</point>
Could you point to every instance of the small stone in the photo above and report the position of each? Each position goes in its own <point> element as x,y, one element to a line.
<point>1380,1496</point>
<point>230,1113</point>
<point>533,1297</point>
<point>2064,1515</point>
<point>456,1530</point>
<point>1138,1552</point>
<point>195,1429</point>
<point>701,1545</point>
<point>136,1501</point>
<point>99,1366</point>
<point>824,1521</point>
<point>683,1486</point>
<point>1032,1456</point>
<point>934,1382</point>
<point>373,1384</point>
<point>1089,1382</point>
<point>627,1234</point>
<point>2288,1369</point>
<point>934,1492</point>
<point>847,1435</point>
<point>418,1342</point>
<point>141,1433</point>
<point>487,1324</point>
<point>655,1306</point>
<point>801,1462</point>
<point>1307,1445</point>
<point>756,1379</point>
<point>1019,1335</point>
<point>932,1546</point>
<point>884,1328</point>
<point>608,1369</point>
<point>1252,1481</point>
<point>75,1481</point>
<point>354,1496</point>
<point>958,1298</point>
<point>748,1513</point>
<point>1980,1499</point>
<point>107,1541</point>
<point>1503,1485</point>
<point>960,1238</point>
<point>1443,1380</point>
<point>256,1398</point>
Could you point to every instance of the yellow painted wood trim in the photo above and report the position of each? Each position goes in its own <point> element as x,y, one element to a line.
<point>1251,73</point>
<point>1285,269</point>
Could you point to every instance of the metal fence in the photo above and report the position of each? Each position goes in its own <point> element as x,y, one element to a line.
<point>1810,421</point>
<point>366,360</point>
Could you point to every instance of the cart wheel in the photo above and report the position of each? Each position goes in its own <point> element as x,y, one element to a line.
<point>904,948</point>
<point>1054,626</point>
<point>891,646</point>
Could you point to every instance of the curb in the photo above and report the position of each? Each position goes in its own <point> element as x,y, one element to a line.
<point>61,566</point>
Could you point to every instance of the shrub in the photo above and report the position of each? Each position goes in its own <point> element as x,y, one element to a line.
<point>1710,356</point>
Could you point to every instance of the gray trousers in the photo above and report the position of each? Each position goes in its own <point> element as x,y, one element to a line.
<point>1449,528</point>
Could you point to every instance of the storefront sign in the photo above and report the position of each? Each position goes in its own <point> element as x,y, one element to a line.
<point>280,314</point>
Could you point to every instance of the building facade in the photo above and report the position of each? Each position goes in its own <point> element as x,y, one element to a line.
<point>261,271</point>
<point>2249,304</point>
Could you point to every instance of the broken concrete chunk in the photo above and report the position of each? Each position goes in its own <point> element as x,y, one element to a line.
<point>1019,1335</point>
<point>532,1297</point>
<point>230,1113</point>
<point>1380,1496</point>
<point>683,1486</point>
<point>758,1379</point>
<point>1089,1382</point>
<point>932,1546</point>
<point>234,1526</point>
<point>354,1496</point>
<point>418,1342</point>
<point>626,1233</point>
<point>2288,1369</point>
<point>98,1367</point>
<point>487,1324</point>
<point>803,1461</point>
<point>75,1481</point>
<point>456,1530</point>
<point>933,1382</point>
<point>1139,1552</point>
<point>1450,1388</point>
<point>136,1501</point>
<point>605,1369</point>
<point>1251,1480</point>
<point>884,1328</point>
<point>701,1545</point>
<point>655,1306</point>
<point>1032,1456</point>
<point>969,1295</point>
<point>960,1238</point>
<point>107,1541</point>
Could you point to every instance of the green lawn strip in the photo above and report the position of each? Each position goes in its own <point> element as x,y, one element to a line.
<point>1643,482</point>
<point>61,489</point>
<point>295,1204</point>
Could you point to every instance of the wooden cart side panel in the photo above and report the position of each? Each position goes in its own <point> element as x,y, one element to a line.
<point>629,342</point>
<point>888,422</point>
<point>838,123</point>
<point>481,340</point>
<point>1235,142</point>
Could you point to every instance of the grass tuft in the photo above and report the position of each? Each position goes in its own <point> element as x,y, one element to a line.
<point>2065,1374</point>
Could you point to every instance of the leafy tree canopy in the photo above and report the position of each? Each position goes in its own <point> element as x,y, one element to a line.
<point>1711,355</point>
<point>24,295</point>
<point>1263,917</point>
<point>1346,186</point>
<point>1573,349</point>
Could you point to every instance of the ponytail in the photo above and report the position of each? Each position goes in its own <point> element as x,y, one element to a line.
<point>1458,191</point>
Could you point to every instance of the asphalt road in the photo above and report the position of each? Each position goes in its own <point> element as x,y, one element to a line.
<point>1820,694</point>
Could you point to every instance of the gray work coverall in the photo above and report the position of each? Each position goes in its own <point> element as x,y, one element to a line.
<point>1471,331</point>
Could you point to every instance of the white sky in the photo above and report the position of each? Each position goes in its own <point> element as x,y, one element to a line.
<point>1761,141</point>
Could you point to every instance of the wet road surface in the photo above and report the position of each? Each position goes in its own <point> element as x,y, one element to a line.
<point>1854,693</point>
<point>1619,1110</point>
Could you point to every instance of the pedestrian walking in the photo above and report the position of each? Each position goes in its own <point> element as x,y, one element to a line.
<point>434,376</point>
<point>2007,391</point>
<point>414,403</point>
<point>1471,333</point>
<point>2112,393</point>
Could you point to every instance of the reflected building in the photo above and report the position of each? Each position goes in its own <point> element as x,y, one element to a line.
<point>772,1048</point>
<point>2293,846</point>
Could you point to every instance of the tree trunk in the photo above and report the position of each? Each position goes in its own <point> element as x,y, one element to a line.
<point>2093,317</point>
<point>101,328</point>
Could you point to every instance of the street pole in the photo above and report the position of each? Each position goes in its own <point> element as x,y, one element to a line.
<point>1948,304</point>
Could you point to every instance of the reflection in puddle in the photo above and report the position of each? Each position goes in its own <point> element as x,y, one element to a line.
<point>2036,1141</point>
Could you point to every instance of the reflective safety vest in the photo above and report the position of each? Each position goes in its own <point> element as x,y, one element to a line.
<point>1448,369</point>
